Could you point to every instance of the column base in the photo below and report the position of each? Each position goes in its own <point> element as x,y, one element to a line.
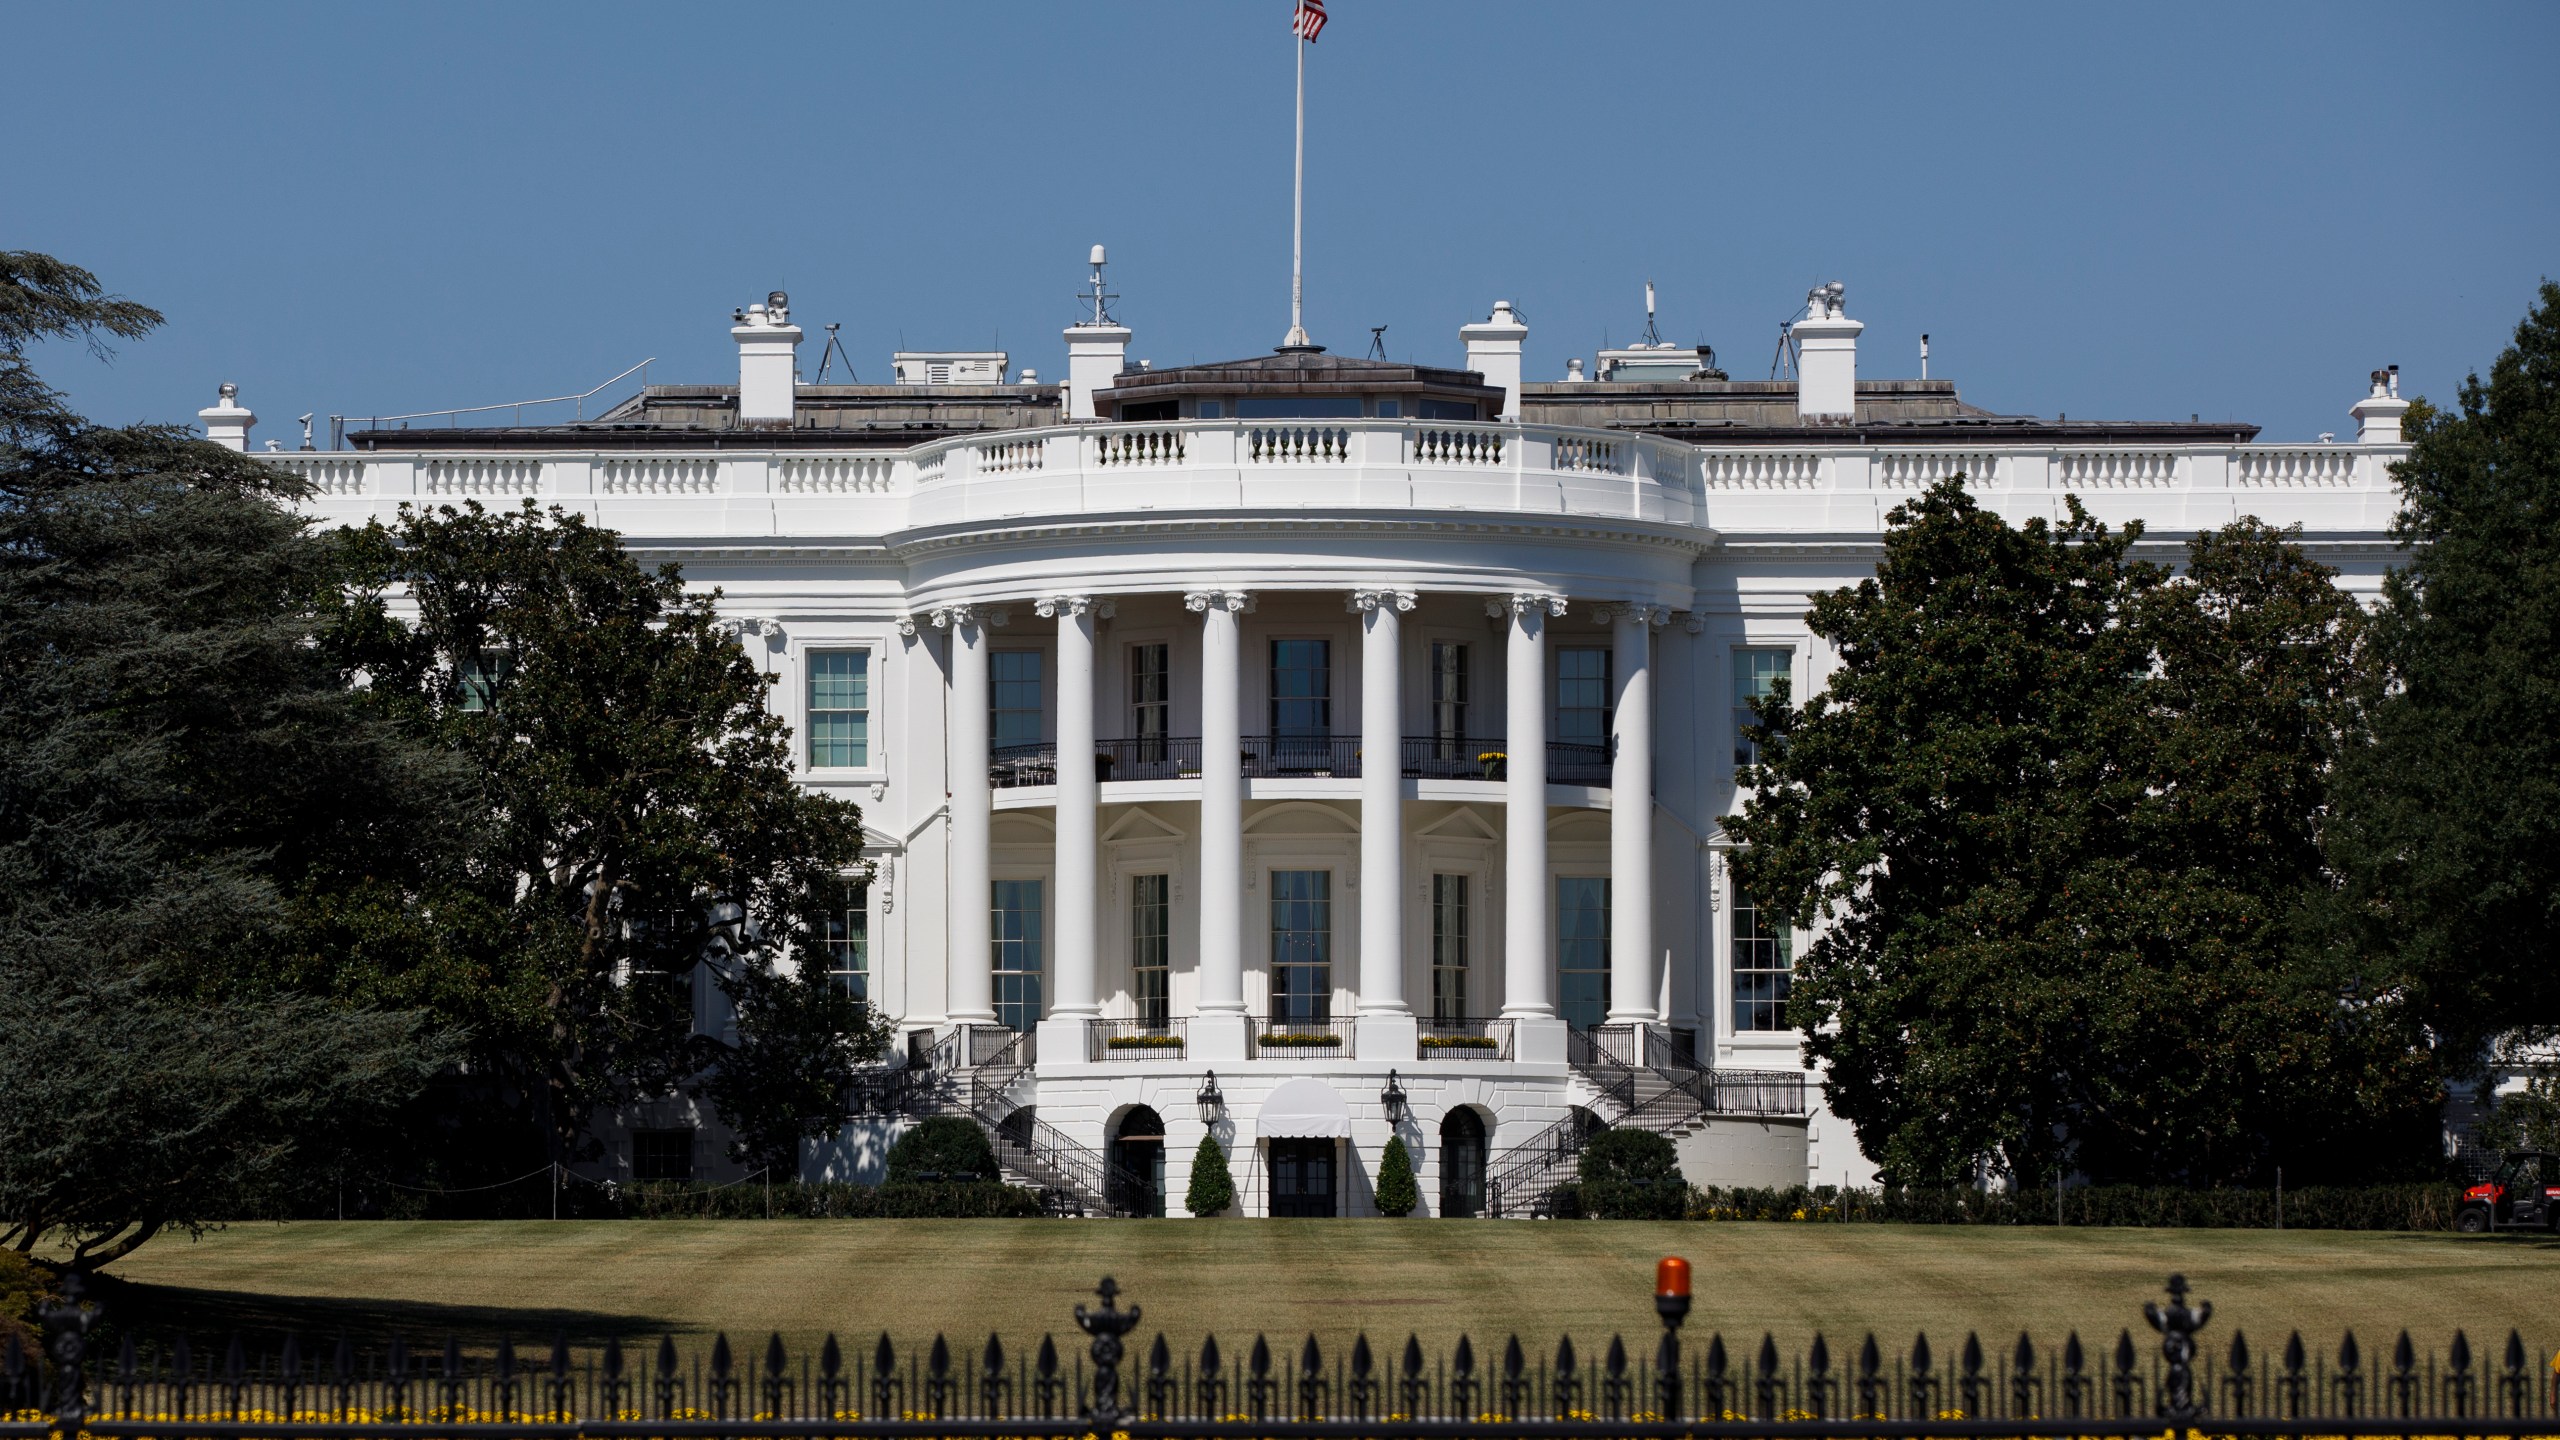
<point>1062,1040</point>
<point>1386,1037</point>
<point>1538,1040</point>
<point>1220,1038</point>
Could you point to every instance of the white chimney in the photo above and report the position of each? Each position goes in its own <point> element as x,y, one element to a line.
<point>2377,414</point>
<point>1493,351</point>
<point>1097,347</point>
<point>768,360</point>
<point>227,423</point>
<point>1826,358</point>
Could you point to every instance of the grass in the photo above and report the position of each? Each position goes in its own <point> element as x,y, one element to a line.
<point>637,1279</point>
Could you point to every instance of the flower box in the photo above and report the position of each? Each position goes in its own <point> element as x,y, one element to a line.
<point>1460,1042</point>
<point>1143,1042</point>
<point>1284,1037</point>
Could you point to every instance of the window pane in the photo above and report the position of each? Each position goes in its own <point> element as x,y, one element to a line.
<point>847,930</point>
<point>1756,674</point>
<point>1582,703</point>
<point>1302,689</point>
<point>1763,964</point>
<point>1014,716</point>
<point>1301,946</point>
<point>1151,946</point>
<point>1017,952</point>
<point>482,677</point>
<point>839,708</point>
<point>1582,948</point>
<point>1449,927</point>
<point>1150,698</point>
<point>1449,697</point>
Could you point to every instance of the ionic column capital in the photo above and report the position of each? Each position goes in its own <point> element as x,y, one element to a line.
<point>1650,616</point>
<point>1050,607</point>
<point>1233,602</point>
<point>1522,602</point>
<point>953,617</point>
<point>1364,601</point>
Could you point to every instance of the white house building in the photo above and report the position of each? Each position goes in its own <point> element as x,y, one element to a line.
<point>1305,749</point>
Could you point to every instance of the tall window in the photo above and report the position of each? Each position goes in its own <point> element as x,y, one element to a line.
<point>1582,948</point>
<point>1017,952</point>
<point>1014,717</point>
<point>1301,946</point>
<point>1449,691</point>
<point>1151,947</point>
<point>1764,962</point>
<point>1756,674</point>
<point>847,931</point>
<point>1449,927</point>
<point>1150,698</point>
<point>1301,702</point>
<point>482,676</point>
<point>1462,1157</point>
<point>1582,696</point>
<point>662,1154</point>
<point>839,708</point>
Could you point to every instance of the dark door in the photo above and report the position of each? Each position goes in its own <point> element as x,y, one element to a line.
<point>1302,1178</point>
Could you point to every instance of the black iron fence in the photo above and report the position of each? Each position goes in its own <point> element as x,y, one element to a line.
<point>1652,1386</point>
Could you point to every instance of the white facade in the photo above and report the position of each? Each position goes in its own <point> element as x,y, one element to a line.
<point>1170,596</point>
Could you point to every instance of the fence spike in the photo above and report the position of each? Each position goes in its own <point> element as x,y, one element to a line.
<point>2350,1355</point>
<point>1412,1356</point>
<point>937,1363</point>
<point>560,1356</point>
<point>2515,1350</point>
<point>1716,1362</point>
<point>993,1360</point>
<point>2294,1359</point>
<point>1311,1359</point>
<point>1818,1359</point>
<point>2124,1352</point>
<point>1159,1357</point>
<point>1209,1356</point>
<point>613,1357</point>
<point>774,1359</point>
<point>884,1357</point>
<point>1260,1360</point>
<point>1920,1358</point>
<point>1361,1361</point>
<point>2074,1360</point>
<point>1564,1354</point>
<point>1870,1359</point>
<point>1514,1361</point>
<point>2025,1357</point>
<point>1617,1359</point>
<point>2404,1356</point>
<point>1768,1355</point>
<point>2458,1355</point>
<point>1972,1359</point>
<point>2239,1358</point>
<point>831,1357</point>
<point>722,1362</point>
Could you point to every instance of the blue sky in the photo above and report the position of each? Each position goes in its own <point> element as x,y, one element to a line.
<point>2125,211</point>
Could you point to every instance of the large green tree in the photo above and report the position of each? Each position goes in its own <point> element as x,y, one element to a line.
<point>2055,822</point>
<point>181,773</point>
<point>634,818</point>
<point>2449,815</point>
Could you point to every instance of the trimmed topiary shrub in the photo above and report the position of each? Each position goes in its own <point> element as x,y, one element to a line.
<point>945,1147</point>
<point>1397,1193</point>
<point>1213,1186</point>
<point>1632,1175</point>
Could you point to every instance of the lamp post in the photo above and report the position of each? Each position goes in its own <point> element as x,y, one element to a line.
<point>1671,1301</point>
<point>1393,1098</point>
<point>1210,1100</point>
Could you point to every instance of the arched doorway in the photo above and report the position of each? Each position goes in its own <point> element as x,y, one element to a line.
<point>1462,1157</point>
<point>1137,1163</point>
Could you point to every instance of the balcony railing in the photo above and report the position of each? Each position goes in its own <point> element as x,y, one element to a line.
<point>1288,757</point>
<point>1469,1038</point>
<point>1302,1039</point>
<point>1136,1039</point>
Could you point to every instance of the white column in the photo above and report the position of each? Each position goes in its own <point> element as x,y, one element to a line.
<point>1528,970</point>
<point>971,976</point>
<point>1387,1030</point>
<point>1635,978</point>
<point>1218,1031</point>
<point>1078,996</point>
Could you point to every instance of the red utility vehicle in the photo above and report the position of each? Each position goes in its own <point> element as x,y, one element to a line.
<point>2523,1195</point>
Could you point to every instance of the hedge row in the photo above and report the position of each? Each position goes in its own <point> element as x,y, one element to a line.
<point>2319,1207</point>
<point>969,1200</point>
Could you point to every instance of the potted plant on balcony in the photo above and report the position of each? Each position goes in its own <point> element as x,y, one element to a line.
<point>1143,1040</point>
<point>1493,762</point>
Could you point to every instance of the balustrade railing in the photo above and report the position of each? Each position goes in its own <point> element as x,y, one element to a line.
<point>1137,1039</point>
<point>1298,757</point>
<point>1465,1038</point>
<point>1312,1039</point>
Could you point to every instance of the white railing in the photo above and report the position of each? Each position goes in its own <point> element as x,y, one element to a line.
<point>326,472</point>
<point>1762,470</point>
<point>2305,467</point>
<point>1140,447</point>
<point>2115,469</point>
<point>834,474</point>
<point>480,475</point>
<point>658,475</point>
<point>1297,445</point>
<point>1920,469</point>
<point>1442,446</point>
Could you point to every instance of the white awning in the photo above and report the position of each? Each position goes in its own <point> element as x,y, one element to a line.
<point>1303,1110</point>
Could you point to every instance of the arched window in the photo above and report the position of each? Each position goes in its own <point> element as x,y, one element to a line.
<point>1462,1157</point>
<point>1137,1163</point>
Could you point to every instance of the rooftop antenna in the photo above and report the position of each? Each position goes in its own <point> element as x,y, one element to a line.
<point>1377,342</point>
<point>1924,354</point>
<point>1651,337</point>
<point>1100,299</point>
<point>1304,26</point>
<point>827,357</point>
<point>1783,364</point>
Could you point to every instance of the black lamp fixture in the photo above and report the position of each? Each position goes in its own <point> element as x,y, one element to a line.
<point>1210,1099</point>
<point>1393,1097</point>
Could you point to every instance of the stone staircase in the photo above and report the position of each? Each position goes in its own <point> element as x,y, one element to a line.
<point>975,1073</point>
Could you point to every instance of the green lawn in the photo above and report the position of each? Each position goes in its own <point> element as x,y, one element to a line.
<point>1335,1277</point>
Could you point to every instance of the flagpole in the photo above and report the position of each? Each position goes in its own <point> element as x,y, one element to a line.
<point>1298,209</point>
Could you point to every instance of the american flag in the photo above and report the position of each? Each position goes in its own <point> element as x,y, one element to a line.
<point>1309,22</point>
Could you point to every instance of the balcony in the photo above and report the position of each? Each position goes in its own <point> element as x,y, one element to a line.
<point>1136,1039</point>
<point>1302,1039</point>
<point>1466,1039</point>
<point>1284,757</point>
